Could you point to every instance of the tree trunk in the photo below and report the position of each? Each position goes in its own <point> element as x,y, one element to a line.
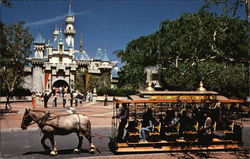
<point>7,105</point>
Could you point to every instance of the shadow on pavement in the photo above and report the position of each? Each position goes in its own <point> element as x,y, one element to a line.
<point>60,152</point>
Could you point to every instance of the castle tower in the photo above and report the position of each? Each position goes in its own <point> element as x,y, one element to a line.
<point>56,33</point>
<point>98,55</point>
<point>69,30</point>
<point>37,63</point>
<point>39,46</point>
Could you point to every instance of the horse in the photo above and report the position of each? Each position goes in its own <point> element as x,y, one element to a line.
<point>52,124</point>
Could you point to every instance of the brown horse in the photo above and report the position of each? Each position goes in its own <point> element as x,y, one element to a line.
<point>52,124</point>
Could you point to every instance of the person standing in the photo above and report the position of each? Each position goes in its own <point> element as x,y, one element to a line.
<point>71,99</point>
<point>54,100</point>
<point>7,105</point>
<point>33,100</point>
<point>106,100</point>
<point>68,98</point>
<point>123,115</point>
<point>45,100</point>
<point>80,98</point>
<point>60,91</point>
<point>64,99</point>
<point>75,94</point>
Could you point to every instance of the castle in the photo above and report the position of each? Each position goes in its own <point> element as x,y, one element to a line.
<point>56,62</point>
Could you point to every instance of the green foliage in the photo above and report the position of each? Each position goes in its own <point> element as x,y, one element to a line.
<point>80,81</point>
<point>19,91</point>
<point>15,42</point>
<point>198,46</point>
<point>230,8</point>
<point>94,82</point>
<point>98,82</point>
<point>115,92</point>
<point>105,80</point>
<point>5,3</point>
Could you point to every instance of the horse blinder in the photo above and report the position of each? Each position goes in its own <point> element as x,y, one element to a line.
<point>26,121</point>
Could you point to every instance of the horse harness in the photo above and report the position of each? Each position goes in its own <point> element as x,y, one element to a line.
<point>42,120</point>
<point>47,116</point>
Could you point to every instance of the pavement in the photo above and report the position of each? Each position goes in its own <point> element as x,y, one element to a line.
<point>94,110</point>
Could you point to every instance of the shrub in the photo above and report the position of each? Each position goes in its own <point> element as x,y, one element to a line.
<point>19,91</point>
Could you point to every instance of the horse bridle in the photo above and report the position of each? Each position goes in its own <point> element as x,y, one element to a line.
<point>39,121</point>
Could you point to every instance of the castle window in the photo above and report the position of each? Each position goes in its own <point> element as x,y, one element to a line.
<point>60,48</point>
<point>60,59</point>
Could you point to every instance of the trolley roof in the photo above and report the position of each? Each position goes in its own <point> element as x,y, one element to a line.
<point>179,97</point>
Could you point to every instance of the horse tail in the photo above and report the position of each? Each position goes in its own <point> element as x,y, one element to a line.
<point>89,128</point>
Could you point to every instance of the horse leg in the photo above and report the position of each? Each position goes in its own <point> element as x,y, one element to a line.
<point>79,146</point>
<point>53,149</point>
<point>91,145</point>
<point>46,148</point>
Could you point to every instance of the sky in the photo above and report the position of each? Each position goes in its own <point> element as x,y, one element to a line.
<point>110,23</point>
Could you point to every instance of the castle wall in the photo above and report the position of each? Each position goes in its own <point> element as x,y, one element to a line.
<point>37,79</point>
<point>27,82</point>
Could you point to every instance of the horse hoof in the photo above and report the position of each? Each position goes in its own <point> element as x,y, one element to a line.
<point>53,153</point>
<point>92,151</point>
<point>76,150</point>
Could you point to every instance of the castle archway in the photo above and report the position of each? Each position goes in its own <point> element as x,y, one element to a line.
<point>60,83</point>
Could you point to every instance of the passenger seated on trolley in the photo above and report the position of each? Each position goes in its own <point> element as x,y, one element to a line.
<point>123,115</point>
<point>205,133</point>
<point>187,121</point>
<point>173,123</point>
<point>147,124</point>
<point>223,124</point>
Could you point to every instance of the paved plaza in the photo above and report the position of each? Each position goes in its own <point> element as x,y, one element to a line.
<point>94,110</point>
<point>100,117</point>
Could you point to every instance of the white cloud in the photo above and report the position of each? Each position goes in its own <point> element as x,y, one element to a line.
<point>51,20</point>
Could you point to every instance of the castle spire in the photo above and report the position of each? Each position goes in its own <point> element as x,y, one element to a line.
<point>69,30</point>
<point>70,10</point>
<point>81,44</point>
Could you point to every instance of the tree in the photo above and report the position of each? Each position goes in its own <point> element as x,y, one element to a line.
<point>198,46</point>
<point>6,3</point>
<point>231,6</point>
<point>80,81</point>
<point>14,49</point>
<point>207,44</point>
<point>138,54</point>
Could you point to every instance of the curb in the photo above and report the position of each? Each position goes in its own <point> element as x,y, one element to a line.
<point>18,130</point>
<point>38,129</point>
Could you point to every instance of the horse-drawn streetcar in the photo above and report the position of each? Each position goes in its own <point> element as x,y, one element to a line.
<point>176,121</point>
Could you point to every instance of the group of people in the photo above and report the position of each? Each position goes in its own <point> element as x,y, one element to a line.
<point>71,99</point>
<point>148,123</point>
<point>183,121</point>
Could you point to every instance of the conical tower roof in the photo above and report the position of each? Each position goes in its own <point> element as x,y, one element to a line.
<point>39,39</point>
<point>105,56</point>
<point>98,55</point>
<point>70,13</point>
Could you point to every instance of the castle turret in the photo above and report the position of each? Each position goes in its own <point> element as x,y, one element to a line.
<point>49,48</point>
<point>98,55</point>
<point>56,33</point>
<point>39,46</point>
<point>105,56</point>
<point>69,30</point>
